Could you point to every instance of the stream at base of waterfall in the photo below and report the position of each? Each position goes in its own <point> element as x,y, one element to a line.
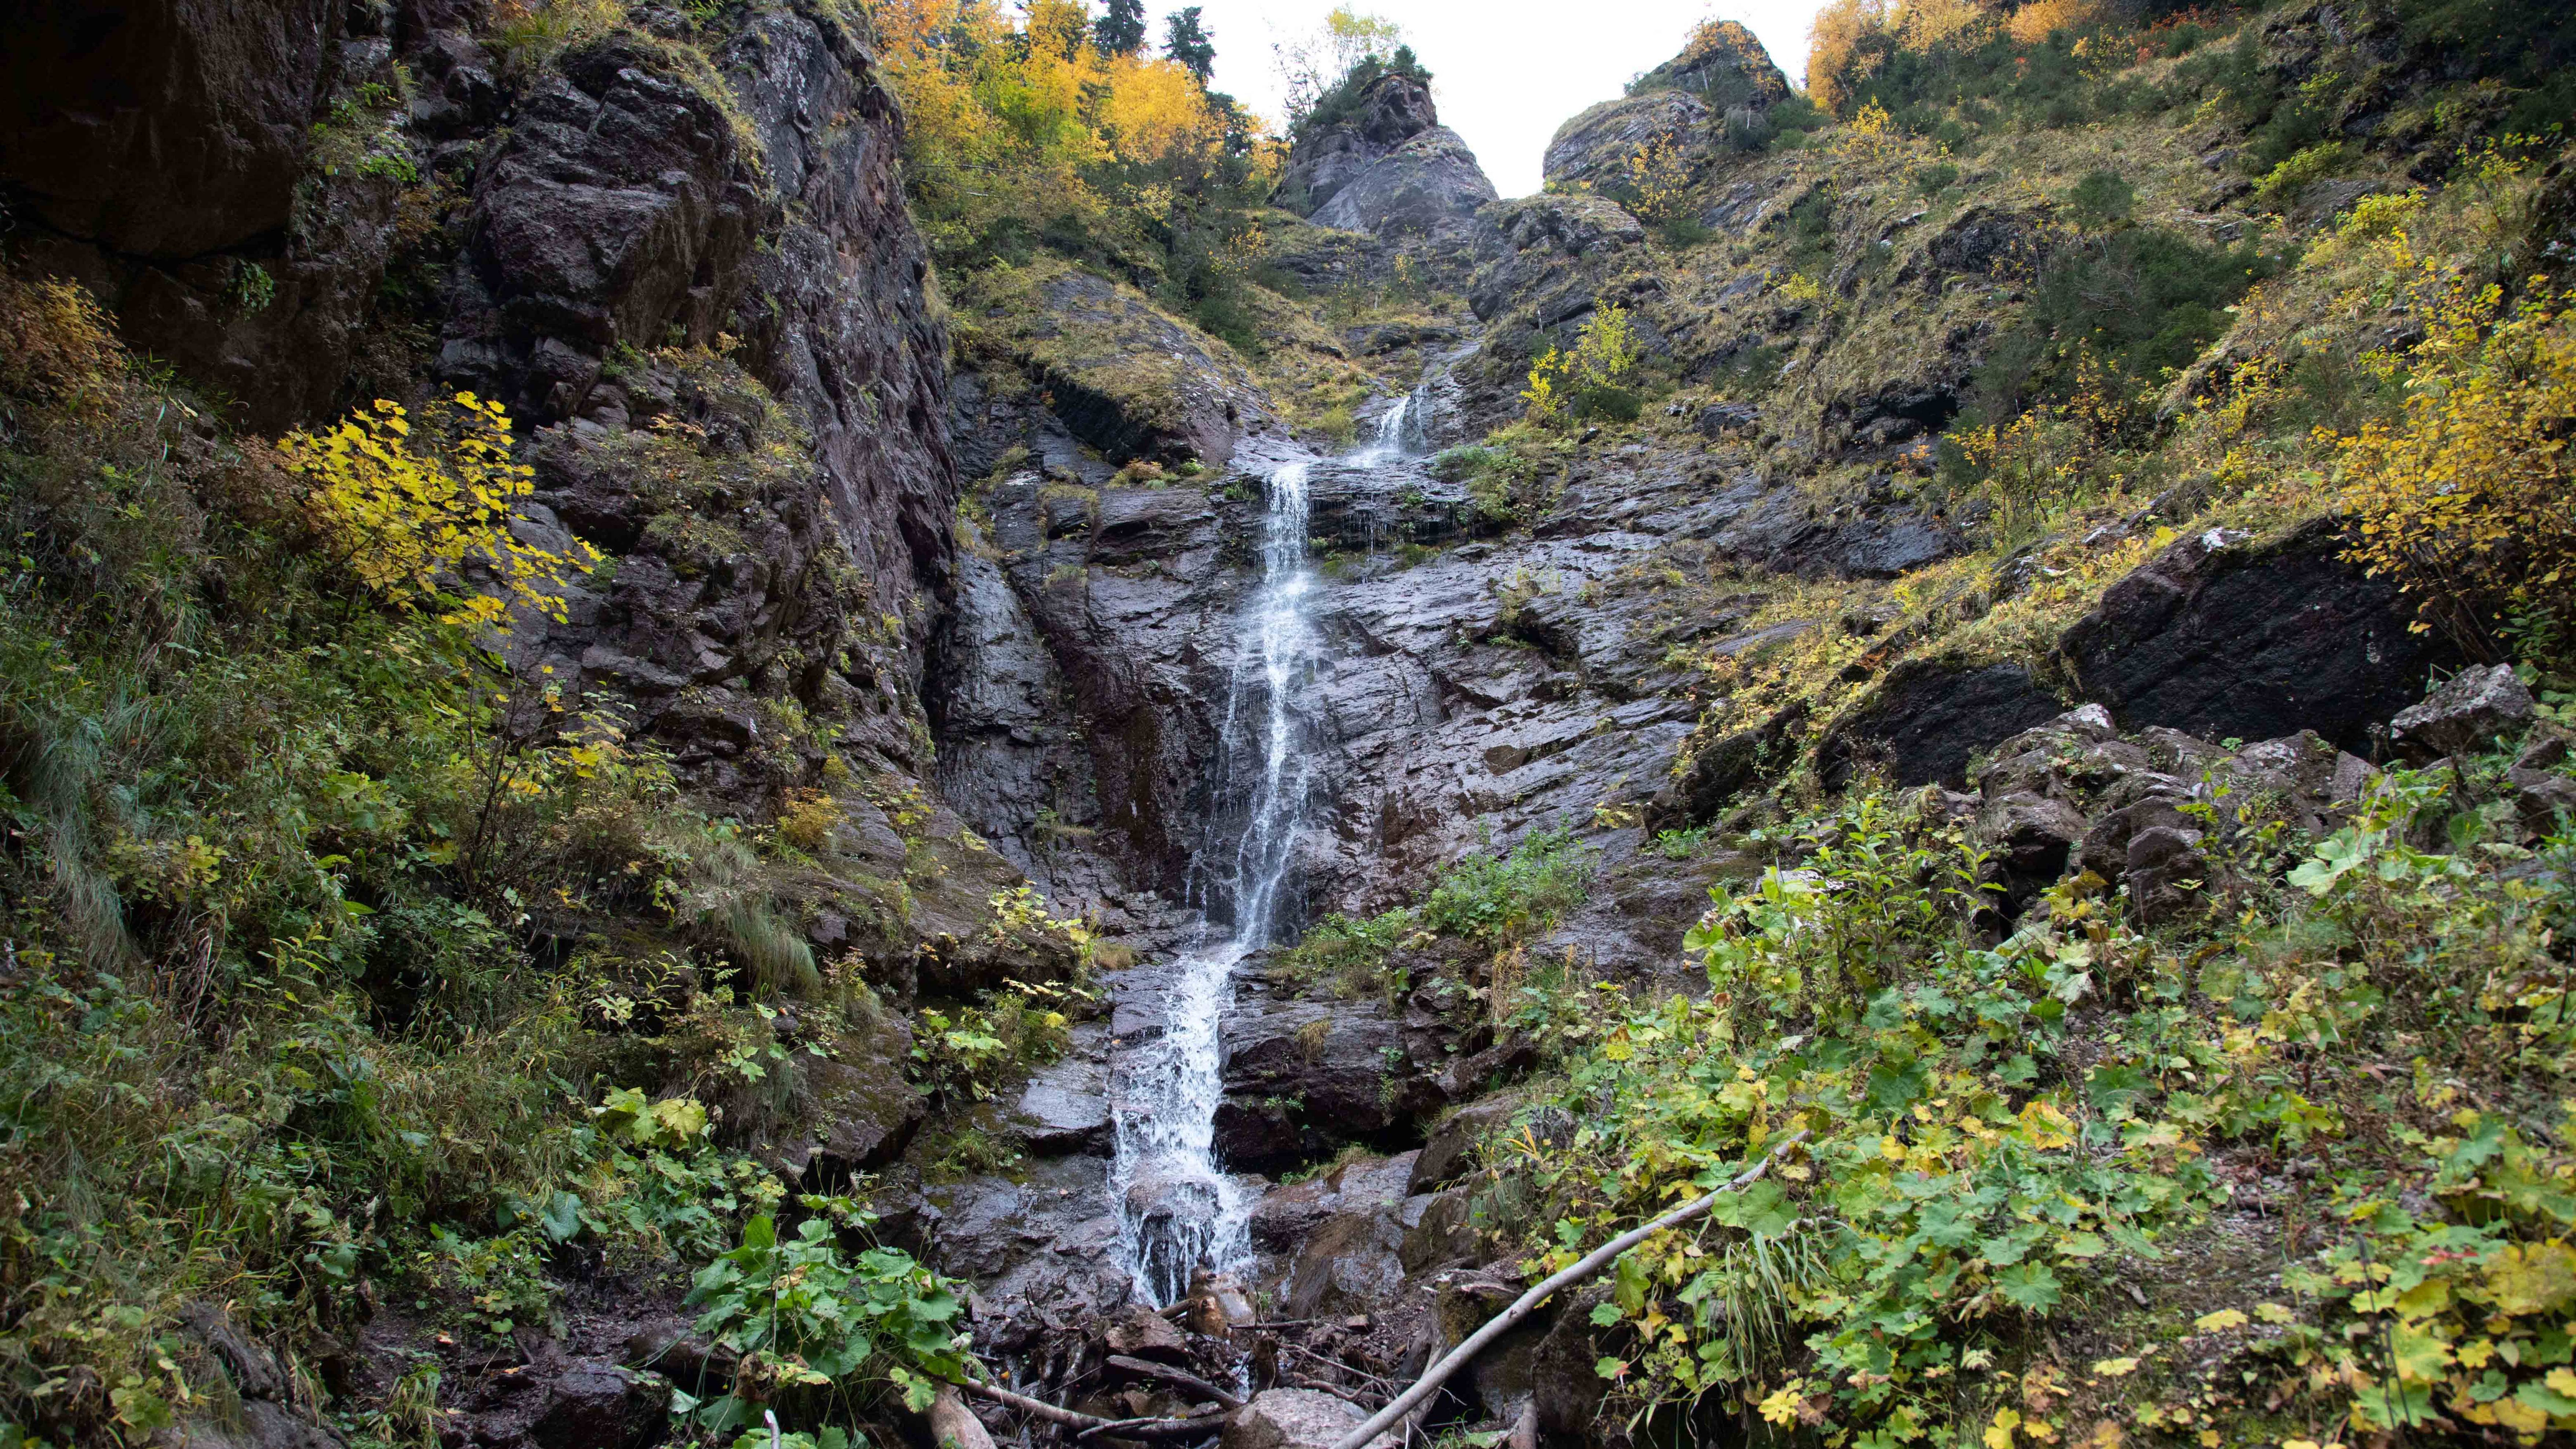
<point>1178,1211</point>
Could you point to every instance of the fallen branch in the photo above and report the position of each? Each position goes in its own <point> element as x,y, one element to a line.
<point>1302,1381</point>
<point>1087,1425</point>
<point>1176,1378</point>
<point>1026,1405</point>
<point>1501,1323</point>
<point>1199,1427</point>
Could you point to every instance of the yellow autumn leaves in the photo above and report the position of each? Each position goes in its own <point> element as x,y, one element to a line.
<point>1032,123</point>
<point>1605,354</point>
<point>409,509</point>
<point>2468,500</point>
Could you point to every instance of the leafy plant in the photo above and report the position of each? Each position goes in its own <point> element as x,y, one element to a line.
<point>1496,900</point>
<point>1592,379</point>
<point>407,514</point>
<point>2464,499</point>
<point>807,1316</point>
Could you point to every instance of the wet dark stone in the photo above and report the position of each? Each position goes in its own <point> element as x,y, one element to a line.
<point>1926,718</point>
<point>2222,636</point>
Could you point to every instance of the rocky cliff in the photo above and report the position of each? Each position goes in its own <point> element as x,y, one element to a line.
<point>930,630</point>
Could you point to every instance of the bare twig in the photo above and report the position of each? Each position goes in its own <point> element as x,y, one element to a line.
<point>1071,1419</point>
<point>1501,1323</point>
<point>1155,1428</point>
<point>1176,1378</point>
<point>1086,1426</point>
<point>1338,1365</point>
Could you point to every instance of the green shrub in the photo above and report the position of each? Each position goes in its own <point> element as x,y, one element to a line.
<point>2003,1131</point>
<point>2101,198</point>
<point>1497,900</point>
<point>1349,956</point>
<point>2284,184</point>
<point>818,1326</point>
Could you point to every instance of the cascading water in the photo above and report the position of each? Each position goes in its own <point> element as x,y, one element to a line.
<point>1177,1211</point>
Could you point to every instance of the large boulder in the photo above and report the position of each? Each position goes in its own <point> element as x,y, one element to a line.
<point>1302,1077</point>
<point>1928,716</point>
<point>2223,635</point>
<point>1555,257</point>
<point>2465,715</point>
<point>1123,375</point>
<point>1428,185</point>
<point>1724,66</point>
<point>1391,111</point>
<point>1296,1419</point>
<point>1596,148</point>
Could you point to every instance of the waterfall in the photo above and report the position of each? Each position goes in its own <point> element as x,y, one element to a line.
<point>1176,1210</point>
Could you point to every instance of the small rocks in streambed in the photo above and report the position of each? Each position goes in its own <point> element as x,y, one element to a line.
<point>1142,1333</point>
<point>2464,716</point>
<point>1296,1419</point>
<point>1347,1265</point>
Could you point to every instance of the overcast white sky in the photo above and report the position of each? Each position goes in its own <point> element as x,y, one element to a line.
<point>1506,72</point>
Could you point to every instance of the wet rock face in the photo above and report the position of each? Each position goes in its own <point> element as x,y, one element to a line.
<point>1129,594</point>
<point>1926,719</point>
<point>168,128</point>
<point>1301,1076</point>
<point>2223,636</point>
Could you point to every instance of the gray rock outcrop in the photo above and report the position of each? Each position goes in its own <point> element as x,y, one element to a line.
<point>1389,169</point>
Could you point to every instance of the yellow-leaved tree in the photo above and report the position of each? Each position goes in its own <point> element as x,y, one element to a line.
<point>409,507</point>
<point>1017,126</point>
<point>2468,500</point>
<point>1837,57</point>
<point>1591,380</point>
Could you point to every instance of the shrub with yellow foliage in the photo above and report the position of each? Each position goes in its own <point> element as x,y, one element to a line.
<point>2468,500</point>
<point>1593,377</point>
<point>407,514</point>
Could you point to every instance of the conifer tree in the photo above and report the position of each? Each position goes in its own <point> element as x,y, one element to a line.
<point>1186,41</point>
<point>1122,30</point>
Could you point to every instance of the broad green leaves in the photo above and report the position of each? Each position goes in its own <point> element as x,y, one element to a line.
<point>820,1316</point>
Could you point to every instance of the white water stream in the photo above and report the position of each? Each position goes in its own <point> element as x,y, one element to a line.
<point>1177,1209</point>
